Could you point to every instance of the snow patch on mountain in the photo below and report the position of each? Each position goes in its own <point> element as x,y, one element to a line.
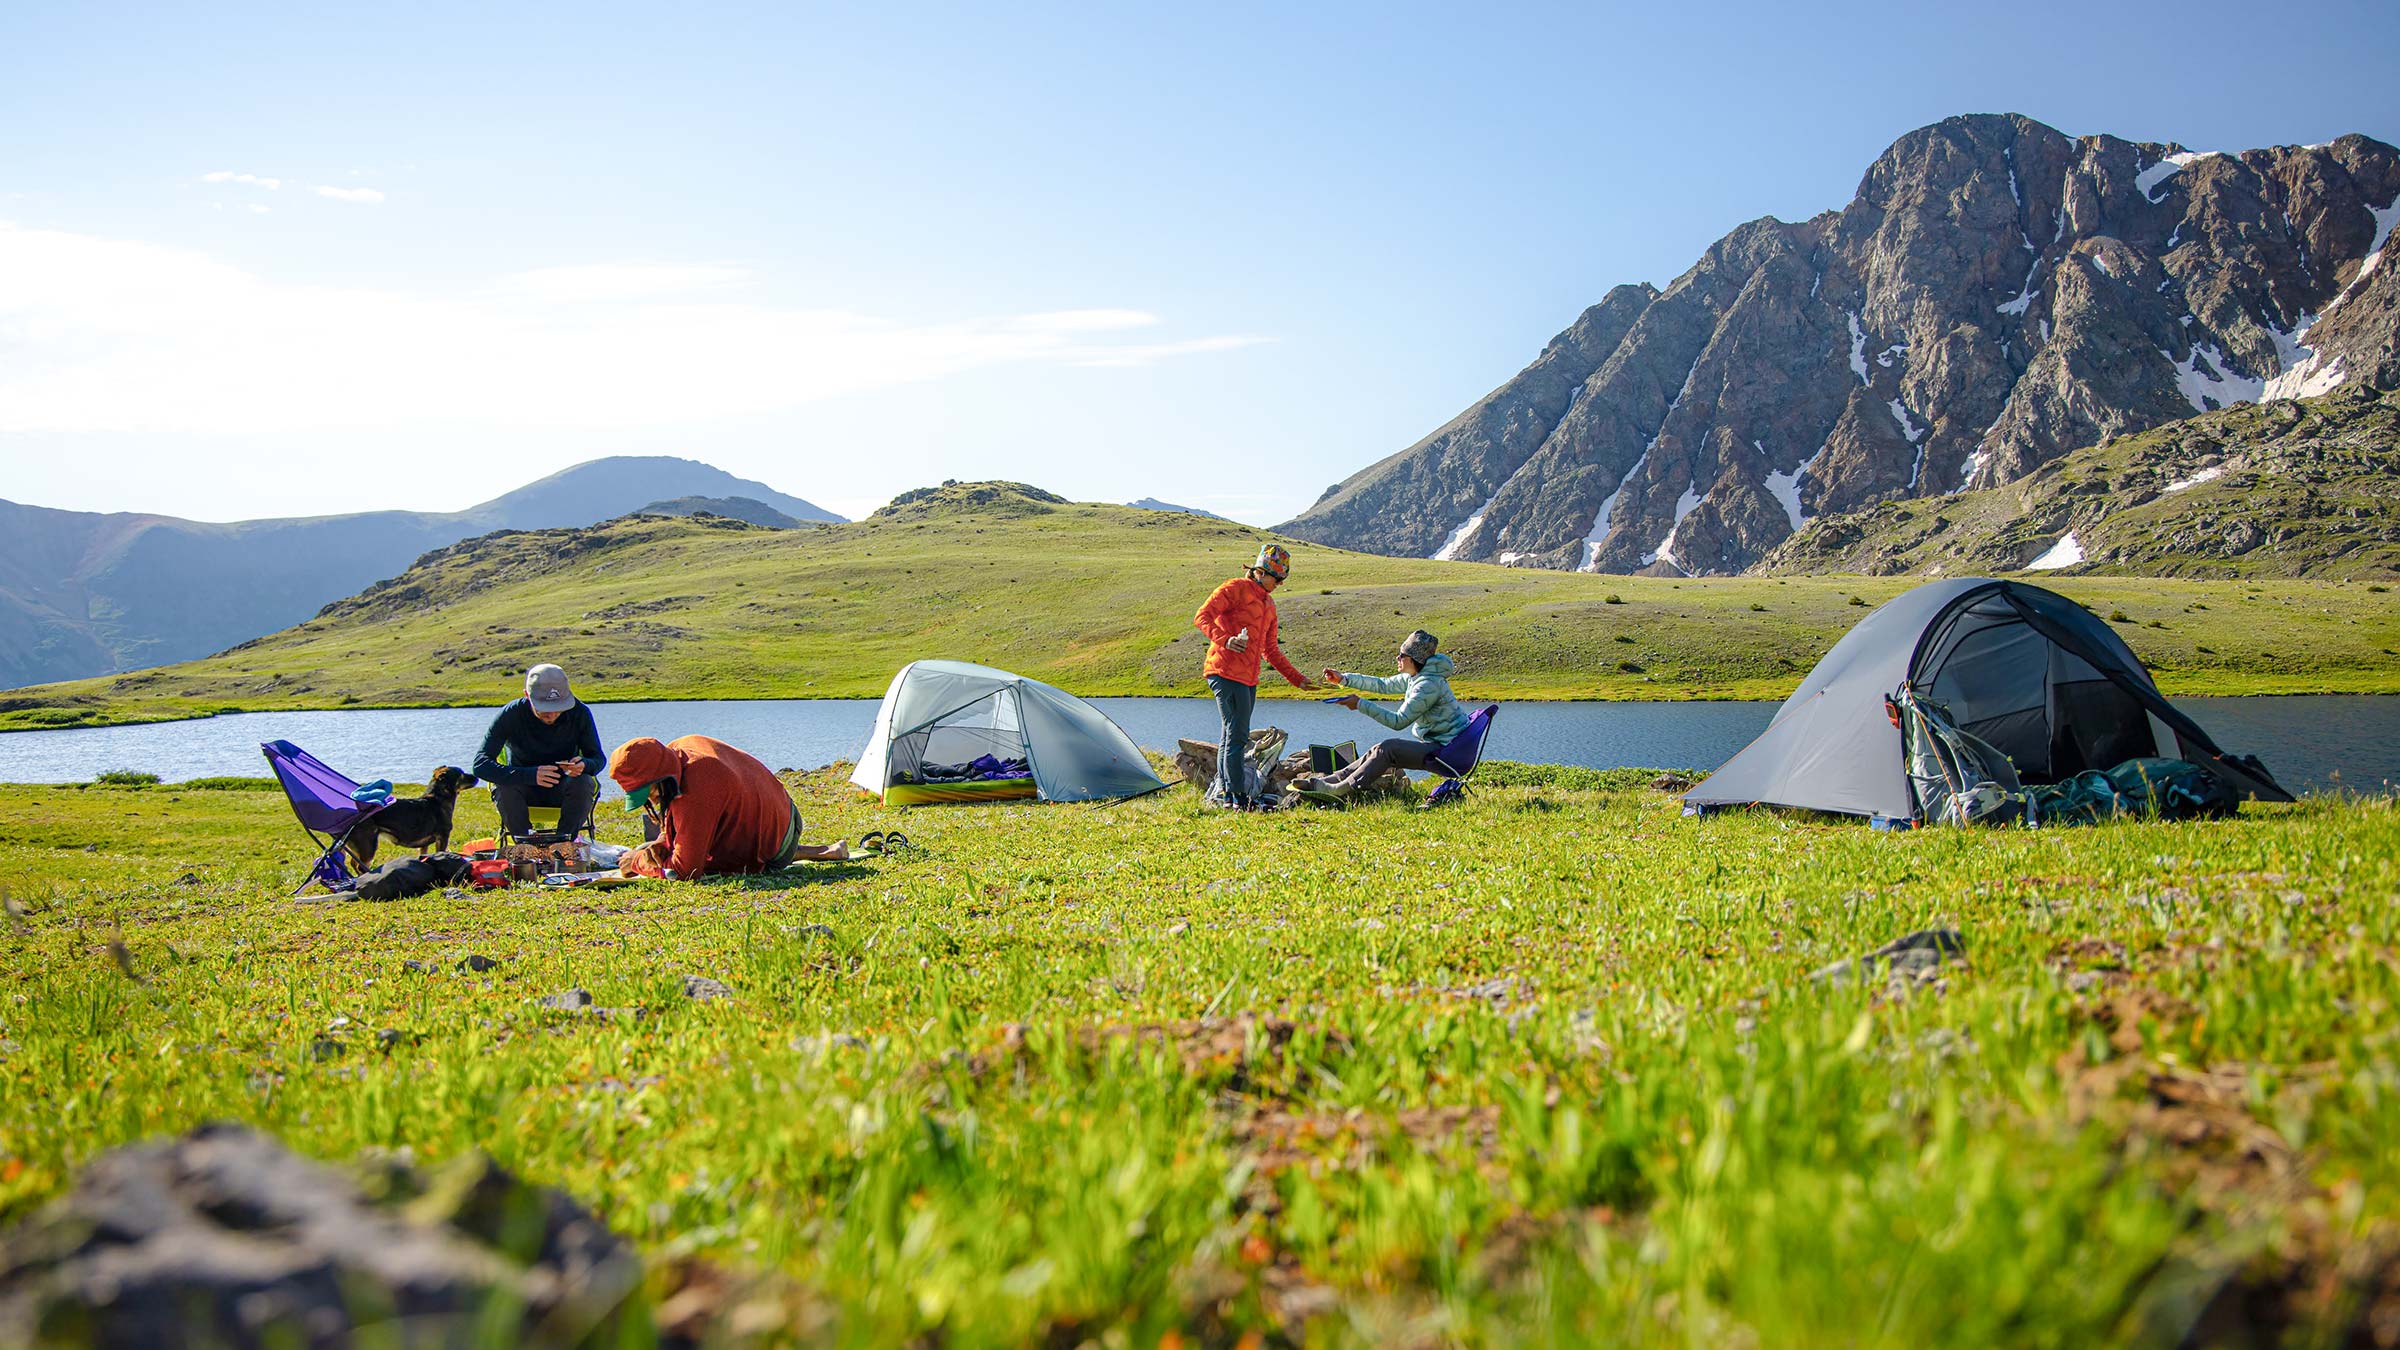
<point>1603,522</point>
<point>1908,428</point>
<point>2308,379</point>
<point>1971,466</point>
<point>2165,169</point>
<point>1449,550</point>
<point>2300,373</point>
<point>2065,553</point>
<point>2206,382</point>
<point>2024,300</point>
<point>2384,220</point>
<point>1665,552</point>
<point>2205,475</point>
<point>1785,487</point>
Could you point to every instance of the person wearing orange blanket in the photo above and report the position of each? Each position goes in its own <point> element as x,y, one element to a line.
<point>711,809</point>
<point>1239,622</point>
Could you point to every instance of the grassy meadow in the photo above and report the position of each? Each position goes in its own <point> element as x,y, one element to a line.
<point>1099,599</point>
<point>1546,1068</point>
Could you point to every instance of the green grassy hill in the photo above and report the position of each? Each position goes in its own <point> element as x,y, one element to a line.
<point>1098,599</point>
<point>2286,489</point>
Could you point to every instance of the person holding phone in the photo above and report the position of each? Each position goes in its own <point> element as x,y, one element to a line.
<point>543,750</point>
<point>1239,622</point>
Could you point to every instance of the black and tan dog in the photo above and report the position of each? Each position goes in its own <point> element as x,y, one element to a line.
<point>421,823</point>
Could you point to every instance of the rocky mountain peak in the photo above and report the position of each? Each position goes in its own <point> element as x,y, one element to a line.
<point>1997,294</point>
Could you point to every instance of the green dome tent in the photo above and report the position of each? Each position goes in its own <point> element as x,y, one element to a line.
<point>2024,669</point>
<point>953,712</point>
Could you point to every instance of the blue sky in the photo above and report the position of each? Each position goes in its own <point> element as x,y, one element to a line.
<point>1223,256</point>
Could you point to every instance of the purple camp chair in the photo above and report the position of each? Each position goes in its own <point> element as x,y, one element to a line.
<point>322,801</point>
<point>1456,760</point>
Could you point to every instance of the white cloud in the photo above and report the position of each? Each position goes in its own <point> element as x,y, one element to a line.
<point>258,210</point>
<point>246,179</point>
<point>104,335</point>
<point>360,196</point>
<point>619,281</point>
<point>1161,351</point>
<point>1087,321</point>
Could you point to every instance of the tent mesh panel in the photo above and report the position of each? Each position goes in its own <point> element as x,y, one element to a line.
<point>988,726</point>
<point>2043,706</point>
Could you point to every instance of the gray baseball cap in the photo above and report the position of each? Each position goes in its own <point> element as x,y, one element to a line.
<point>546,689</point>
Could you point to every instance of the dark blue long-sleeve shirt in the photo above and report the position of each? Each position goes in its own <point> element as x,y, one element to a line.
<point>530,744</point>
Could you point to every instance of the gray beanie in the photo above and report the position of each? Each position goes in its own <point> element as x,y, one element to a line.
<point>1419,646</point>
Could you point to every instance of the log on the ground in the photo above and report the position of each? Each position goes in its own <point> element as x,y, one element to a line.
<point>1197,762</point>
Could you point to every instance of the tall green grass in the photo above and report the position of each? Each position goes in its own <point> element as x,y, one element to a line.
<point>1548,1067</point>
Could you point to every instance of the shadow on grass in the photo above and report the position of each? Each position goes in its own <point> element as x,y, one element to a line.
<point>799,875</point>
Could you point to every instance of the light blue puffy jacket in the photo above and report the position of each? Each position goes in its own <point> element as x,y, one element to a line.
<point>1426,704</point>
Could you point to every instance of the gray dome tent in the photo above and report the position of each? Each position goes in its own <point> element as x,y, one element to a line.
<point>2025,669</point>
<point>939,711</point>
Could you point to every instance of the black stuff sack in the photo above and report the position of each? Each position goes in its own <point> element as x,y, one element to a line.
<point>402,878</point>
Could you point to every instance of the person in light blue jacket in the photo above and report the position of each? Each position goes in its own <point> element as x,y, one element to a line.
<point>1427,707</point>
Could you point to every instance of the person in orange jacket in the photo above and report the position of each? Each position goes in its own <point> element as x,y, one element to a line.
<point>712,809</point>
<point>1239,620</point>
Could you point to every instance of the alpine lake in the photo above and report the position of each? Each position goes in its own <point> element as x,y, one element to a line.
<point>2312,743</point>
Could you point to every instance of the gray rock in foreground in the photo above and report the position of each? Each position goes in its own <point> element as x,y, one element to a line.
<point>223,1237</point>
<point>1917,956</point>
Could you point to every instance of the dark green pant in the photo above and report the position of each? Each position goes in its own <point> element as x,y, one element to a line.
<point>1406,752</point>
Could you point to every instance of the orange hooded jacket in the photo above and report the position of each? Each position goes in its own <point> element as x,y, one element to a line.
<point>1238,604</point>
<point>730,813</point>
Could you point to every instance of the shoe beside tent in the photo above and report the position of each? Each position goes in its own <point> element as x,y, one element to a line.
<point>2021,668</point>
<point>953,712</point>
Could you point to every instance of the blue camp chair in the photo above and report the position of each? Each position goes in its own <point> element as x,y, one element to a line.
<point>326,803</point>
<point>1456,761</point>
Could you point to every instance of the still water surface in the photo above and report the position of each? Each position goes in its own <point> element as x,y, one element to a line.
<point>2310,742</point>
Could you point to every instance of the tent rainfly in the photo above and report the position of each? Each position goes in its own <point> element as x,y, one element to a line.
<point>2025,669</point>
<point>953,712</point>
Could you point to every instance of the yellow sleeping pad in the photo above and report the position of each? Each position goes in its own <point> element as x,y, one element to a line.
<point>940,794</point>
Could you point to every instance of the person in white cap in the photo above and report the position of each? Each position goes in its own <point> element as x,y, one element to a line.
<point>543,750</point>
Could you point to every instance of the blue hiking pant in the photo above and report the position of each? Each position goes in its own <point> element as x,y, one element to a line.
<point>1235,701</point>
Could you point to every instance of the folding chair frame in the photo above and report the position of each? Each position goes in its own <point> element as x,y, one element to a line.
<point>1454,776</point>
<point>332,867</point>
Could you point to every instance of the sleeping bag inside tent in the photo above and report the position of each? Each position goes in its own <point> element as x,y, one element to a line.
<point>951,732</point>
<point>2019,669</point>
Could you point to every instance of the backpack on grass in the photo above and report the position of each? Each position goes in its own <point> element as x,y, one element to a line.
<point>402,878</point>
